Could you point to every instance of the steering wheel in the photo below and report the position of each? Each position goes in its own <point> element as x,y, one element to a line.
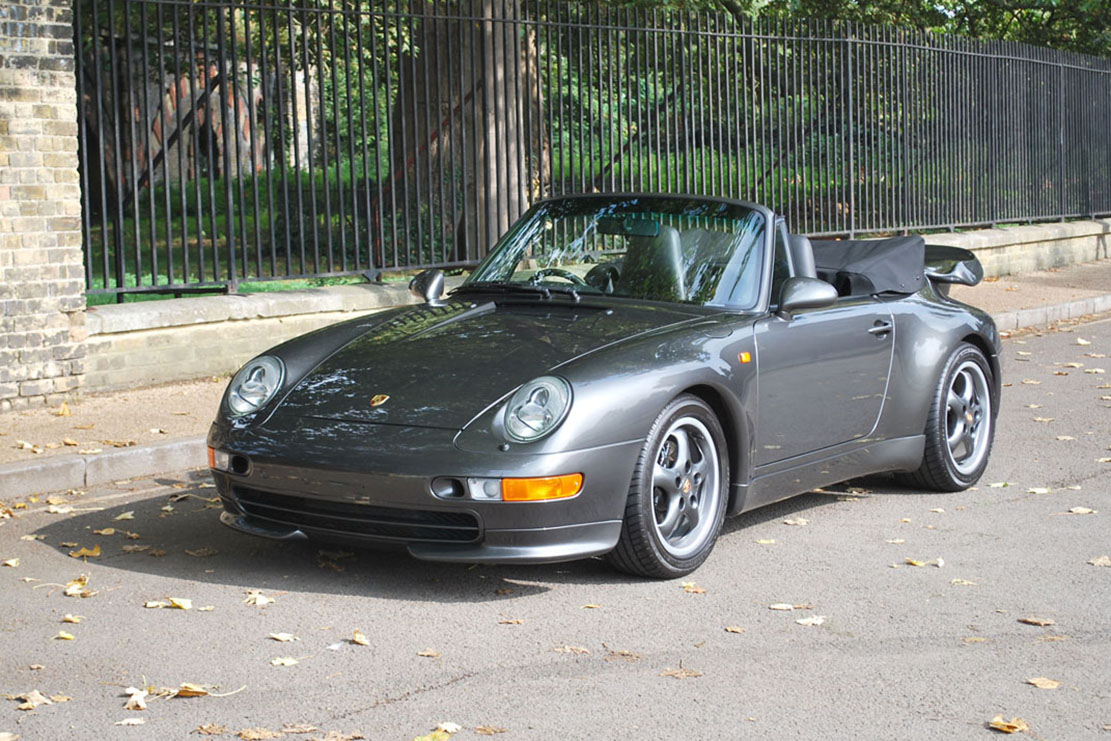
<point>558,273</point>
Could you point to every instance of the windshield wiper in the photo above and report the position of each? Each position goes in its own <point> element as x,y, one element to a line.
<point>497,286</point>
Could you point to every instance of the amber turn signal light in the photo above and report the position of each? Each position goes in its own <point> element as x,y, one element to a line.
<point>537,489</point>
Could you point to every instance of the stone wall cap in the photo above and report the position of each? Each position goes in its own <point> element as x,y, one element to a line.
<point>176,312</point>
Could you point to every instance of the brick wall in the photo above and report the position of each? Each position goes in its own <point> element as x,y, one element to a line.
<point>42,326</point>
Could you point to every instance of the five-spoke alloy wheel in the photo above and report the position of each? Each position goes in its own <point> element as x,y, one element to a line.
<point>678,493</point>
<point>961,424</point>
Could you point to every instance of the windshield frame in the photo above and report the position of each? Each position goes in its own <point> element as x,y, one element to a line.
<point>677,204</point>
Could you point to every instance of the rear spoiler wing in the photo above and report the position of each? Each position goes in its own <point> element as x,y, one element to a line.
<point>945,265</point>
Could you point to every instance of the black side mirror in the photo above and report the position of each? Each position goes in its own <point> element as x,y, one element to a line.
<point>805,293</point>
<point>428,286</point>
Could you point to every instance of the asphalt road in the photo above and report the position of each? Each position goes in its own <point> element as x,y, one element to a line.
<point>577,651</point>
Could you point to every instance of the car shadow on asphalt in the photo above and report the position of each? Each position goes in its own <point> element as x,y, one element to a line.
<point>179,536</point>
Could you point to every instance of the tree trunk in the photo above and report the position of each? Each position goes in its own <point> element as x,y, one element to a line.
<point>469,150</point>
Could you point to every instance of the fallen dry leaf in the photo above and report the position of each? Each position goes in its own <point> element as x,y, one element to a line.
<point>136,699</point>
<point>797,521</point>
<point>105,531</point>
<point>1043,419</point>
<point>1014,725</point>
<point>1044,683</point>
<point>62,411</point>
<point>974,639</point>
<point>129,515</point>
<point>1040,622</point>
<point>1101,561</point>
<point>1065,438</point>
<point>64,636</point>
<point>258,599</point>
<point>490,730</point>
<point>70,442</point>
<point>1082,511</point>
<point>211,729</point>
<point>299,728</point>
<point>258,734</point>
<point>429,654</point>
<point>510,621</point>
<point>181,603</point>
<point>1082,342</point>
<point>913,562</point>
<point>1037,490</point>
<point>681,673</point>
<point>284,661</point>
<point>156,604</point>
<point>999,485</point>
<point>202,552</point>
<point>131,722</point>
<point>692,588</point>
<point>622,654</point>
<point>765,541</point>
<point>812,620</point>
<point>571,650</point>
<point>285,637</point>
<point>67,618</point>
<point>590,606</point>
<point>135,548</point>
<point>734,629</point>
<point>78,588</point>
<point>896,541</point>
<point>188,689</point>
<point>59,509</point>
<point>11,563</point>
<point>781,606</point>
<point>359,639</point>
<point>1031,382</point>
<point>963,582</point>
<point>31,700</point>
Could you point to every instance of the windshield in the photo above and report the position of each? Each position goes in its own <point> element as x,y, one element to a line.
<point>659,249</point>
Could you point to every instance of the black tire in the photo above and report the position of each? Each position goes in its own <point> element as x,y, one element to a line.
<point>961,425</point>
<point>678,493</point>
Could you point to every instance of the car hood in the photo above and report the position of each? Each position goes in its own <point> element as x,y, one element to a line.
<point>441,366</point>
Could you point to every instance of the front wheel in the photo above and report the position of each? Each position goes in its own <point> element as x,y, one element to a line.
<point>677,497</point>
<point>961,424</point>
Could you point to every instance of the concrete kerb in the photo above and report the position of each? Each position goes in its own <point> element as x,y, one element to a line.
<point>63,472</point>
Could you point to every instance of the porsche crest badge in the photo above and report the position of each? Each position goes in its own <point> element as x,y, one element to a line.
<point>379,399</point>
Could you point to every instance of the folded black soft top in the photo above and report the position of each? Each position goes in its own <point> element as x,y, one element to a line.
<point>894,265</point>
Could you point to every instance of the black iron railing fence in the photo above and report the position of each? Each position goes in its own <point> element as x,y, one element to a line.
<point>224,142</point>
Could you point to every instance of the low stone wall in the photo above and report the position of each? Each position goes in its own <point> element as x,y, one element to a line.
<point>151,342</point>
<point>1024,249</point>
<point>155,342</point>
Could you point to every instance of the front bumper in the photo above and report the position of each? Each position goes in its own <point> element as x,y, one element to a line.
<point>366,489</point>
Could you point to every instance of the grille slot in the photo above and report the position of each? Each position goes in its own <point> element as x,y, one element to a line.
<point>372,521</point>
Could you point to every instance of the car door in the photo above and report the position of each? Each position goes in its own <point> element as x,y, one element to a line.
<point>822,376</point>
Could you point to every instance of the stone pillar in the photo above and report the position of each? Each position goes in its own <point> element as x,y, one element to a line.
<point>42,291</point>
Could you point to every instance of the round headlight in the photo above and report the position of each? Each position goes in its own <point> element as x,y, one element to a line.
<point>537,408</point>
<point>255,384</point>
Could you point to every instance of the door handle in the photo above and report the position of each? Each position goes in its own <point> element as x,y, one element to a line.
<point>880,328</point>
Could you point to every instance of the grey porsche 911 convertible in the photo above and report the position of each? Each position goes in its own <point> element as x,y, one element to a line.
<point>619,374</point>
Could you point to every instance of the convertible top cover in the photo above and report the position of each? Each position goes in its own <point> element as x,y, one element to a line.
<point>894,265</point>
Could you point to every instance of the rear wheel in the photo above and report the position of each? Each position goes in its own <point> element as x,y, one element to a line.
<point>961,425</point>
<point>678,493</point>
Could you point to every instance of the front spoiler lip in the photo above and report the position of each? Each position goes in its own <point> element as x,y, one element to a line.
<point>520,545</point>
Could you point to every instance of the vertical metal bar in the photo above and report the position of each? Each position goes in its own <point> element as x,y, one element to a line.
<point>208,139</point>
<point>254,141</point>
<point>301,238</point>
<point>282,154</point>
<point>162,116</point>
<point>357,15</point>
<point>183,188</point>
<point>314,214</point>
<point>422,138</point>
<point>325,159</point>
<point>83,142</point>
<point>441,234</point>
<point>223,92</point>
<point>145,120</point>
<point>117,227</point>
<point>402,105</point>
<point>380,262</point>
<point>232,89</point>
<point>349,115</point>
<point>132,144</point>
<point>849,49</point>
<point>338,144</point>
